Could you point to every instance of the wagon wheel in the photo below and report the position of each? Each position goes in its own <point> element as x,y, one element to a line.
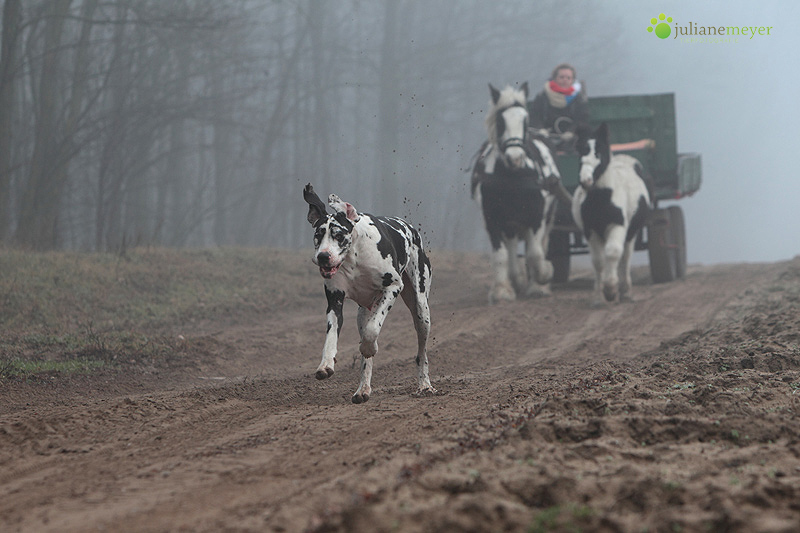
<point>660,247</point>
<point>678,230</point>
<point>558,254</point>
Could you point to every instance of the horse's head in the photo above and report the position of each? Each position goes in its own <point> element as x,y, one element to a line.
<point>507,124</point>
<point>595,152</point>
<point>333,234</point>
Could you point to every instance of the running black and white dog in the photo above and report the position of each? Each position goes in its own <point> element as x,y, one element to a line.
<point>371,260</point>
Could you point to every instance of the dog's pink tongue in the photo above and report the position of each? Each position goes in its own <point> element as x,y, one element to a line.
<point>328,272</point>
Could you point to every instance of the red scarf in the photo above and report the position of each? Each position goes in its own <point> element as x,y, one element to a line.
<point>559,89</point>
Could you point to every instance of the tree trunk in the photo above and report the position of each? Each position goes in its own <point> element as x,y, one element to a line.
<point>110,174</point>
<point>80,76</point>
<point>178,188</point>
<point>222,135</point>
<point>10,41</point>
<point>275,128</point>
<point>388,199</point>
<point>40,201</point>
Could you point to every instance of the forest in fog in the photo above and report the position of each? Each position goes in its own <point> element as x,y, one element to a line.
<point>197,122</point>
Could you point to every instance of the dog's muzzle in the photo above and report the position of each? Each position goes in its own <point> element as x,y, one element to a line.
<point>326,269</point>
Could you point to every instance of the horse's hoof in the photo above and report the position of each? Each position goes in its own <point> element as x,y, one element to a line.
<point>546,275</point>
<point>610,293</point>
<point>324,373</point>
<point>427,391</point>
<point>360,398</point>
<point>599,303</point>
<point>501,294</point>
<point>538,292</point>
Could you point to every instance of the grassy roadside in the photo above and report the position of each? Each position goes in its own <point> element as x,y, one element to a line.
<point>66,312</point>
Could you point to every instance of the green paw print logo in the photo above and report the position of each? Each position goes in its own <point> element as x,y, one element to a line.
<point>661,28</point>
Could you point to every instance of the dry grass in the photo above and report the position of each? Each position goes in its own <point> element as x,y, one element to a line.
<point>66,311</point>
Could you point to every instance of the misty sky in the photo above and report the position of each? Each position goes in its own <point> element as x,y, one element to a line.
<point>737,104</point>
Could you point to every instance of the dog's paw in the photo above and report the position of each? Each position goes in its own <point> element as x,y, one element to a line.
<point>427,391</point>
<point>324,373</point>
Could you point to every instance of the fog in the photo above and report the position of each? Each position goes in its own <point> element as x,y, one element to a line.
<point>197,123</point>
<point>736,105</point>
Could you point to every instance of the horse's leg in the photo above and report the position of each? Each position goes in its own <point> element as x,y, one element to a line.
<point>540,270</point>
<point>596,251</point>
<point>501,288</point>
<point>613,250</point>
<point>625,283</point>
<point>516,266</point>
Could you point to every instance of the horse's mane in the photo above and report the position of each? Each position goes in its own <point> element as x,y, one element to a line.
<point>509,96</point>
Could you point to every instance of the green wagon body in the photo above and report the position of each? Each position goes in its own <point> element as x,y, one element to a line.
<point>634,118</point>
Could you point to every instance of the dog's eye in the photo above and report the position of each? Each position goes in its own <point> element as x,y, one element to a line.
<point>339,238</point>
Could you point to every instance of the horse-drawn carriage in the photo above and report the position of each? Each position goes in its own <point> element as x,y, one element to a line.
<point>515,181</point>
<point>642,126</point>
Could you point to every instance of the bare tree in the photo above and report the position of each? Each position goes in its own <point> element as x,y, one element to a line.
<point>386,173</point>
<point>196,122</point>
<point>40,200</point>
<point>12,17</point>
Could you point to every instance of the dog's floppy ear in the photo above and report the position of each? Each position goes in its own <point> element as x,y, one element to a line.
<point>316,209</point>
<point>341,206</point>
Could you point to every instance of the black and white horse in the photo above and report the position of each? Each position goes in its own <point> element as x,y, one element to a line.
<point>611,206</point>
<point>508,182</point>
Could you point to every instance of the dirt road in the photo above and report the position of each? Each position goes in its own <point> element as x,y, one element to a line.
<point>677,412</point>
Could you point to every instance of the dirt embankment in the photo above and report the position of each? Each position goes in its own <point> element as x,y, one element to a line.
<point>677,412</point>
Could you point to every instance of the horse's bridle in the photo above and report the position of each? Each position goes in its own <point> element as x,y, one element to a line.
<point>513,141</point>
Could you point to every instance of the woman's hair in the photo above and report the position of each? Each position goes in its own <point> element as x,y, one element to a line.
<point>561,67</point>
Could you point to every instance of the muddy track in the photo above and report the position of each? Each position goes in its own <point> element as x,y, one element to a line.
<point>616,418</point>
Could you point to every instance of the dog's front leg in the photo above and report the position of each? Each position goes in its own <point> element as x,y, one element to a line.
<point>335,319</point>
<point>370,322</point>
